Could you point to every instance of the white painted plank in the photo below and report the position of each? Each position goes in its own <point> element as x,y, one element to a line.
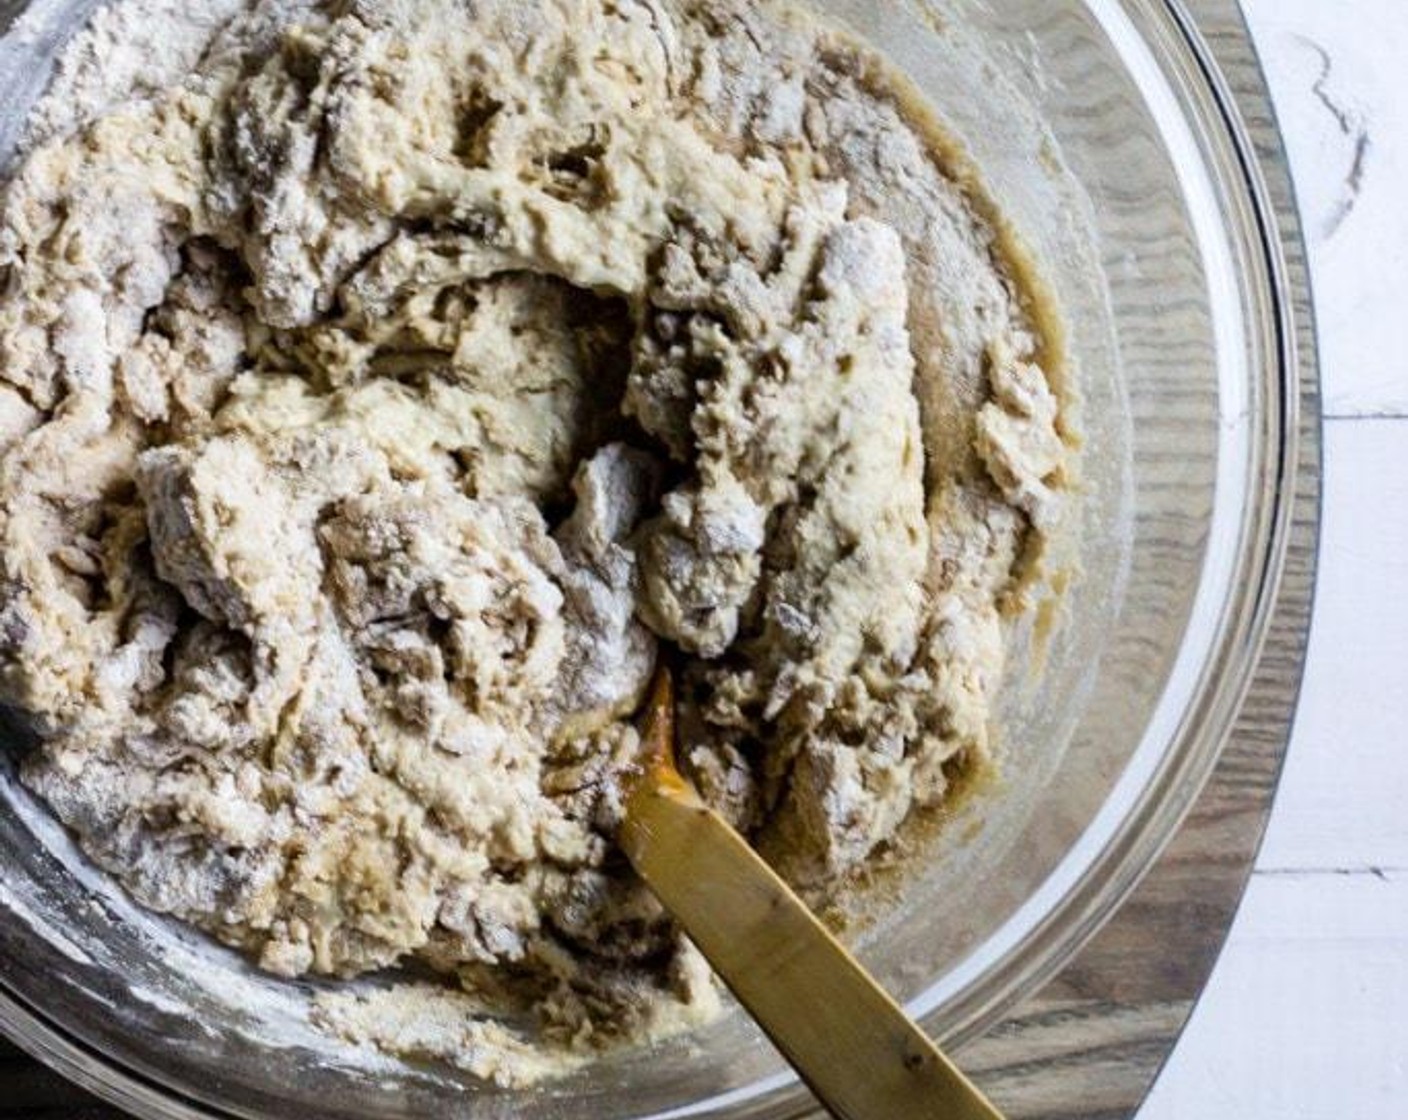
<point>1307,1015</point>
<point>1343,799</point>
<point>1338,71</point>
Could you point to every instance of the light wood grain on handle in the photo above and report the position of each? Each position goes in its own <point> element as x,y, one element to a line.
<point>851,1043</point>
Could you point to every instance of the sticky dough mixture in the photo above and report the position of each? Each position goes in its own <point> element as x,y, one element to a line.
<point>382,384</point>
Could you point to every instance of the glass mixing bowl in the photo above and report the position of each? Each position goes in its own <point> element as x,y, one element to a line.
<point>1101,127</point>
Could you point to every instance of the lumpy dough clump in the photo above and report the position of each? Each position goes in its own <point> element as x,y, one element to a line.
<point>383,385</point>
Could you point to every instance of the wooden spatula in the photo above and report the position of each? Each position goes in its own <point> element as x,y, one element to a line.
<point>850,1042</point>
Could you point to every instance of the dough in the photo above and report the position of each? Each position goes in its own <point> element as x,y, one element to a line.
<point>381,387</point>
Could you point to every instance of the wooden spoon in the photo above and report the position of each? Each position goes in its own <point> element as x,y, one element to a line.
<point>850,1042</point>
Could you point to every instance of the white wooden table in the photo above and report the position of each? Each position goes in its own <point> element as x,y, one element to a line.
<point>1306,1016</point>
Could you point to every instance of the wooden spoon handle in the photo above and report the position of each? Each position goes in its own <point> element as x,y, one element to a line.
<point>851,1043</point>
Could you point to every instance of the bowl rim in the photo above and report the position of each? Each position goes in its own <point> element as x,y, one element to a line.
<point>1149,824</point>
